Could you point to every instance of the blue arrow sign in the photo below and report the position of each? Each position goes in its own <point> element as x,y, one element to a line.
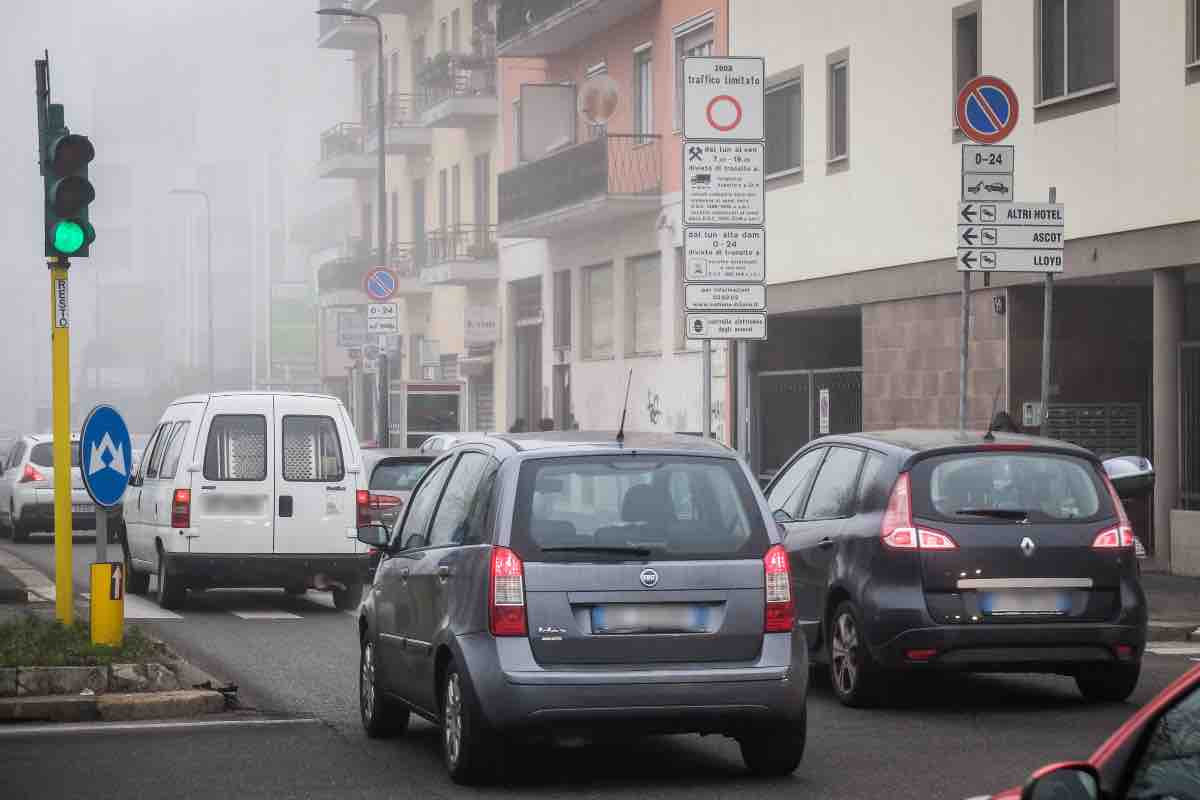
<point>105,455</point>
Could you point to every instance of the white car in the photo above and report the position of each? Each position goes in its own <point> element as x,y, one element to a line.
<point>248,489</point>
<point>27,489</point>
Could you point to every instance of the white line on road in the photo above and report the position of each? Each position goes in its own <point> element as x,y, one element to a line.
<point>111,727</point>
<point>265,615</point>
<point>1174,648</point>
<point>138,608</point>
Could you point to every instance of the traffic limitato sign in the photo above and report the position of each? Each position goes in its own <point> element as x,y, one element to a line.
<point>986,109</point>
<point>723,98</point>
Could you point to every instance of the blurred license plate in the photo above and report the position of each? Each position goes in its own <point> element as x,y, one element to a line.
<point>1024,601</point>
<point>83,508</point>
<point>661,618</point>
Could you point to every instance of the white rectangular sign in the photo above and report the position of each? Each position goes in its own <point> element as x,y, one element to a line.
<point>717,325</point>
<point>723,183</point>
<point>62,308</point>
<point>823,412</point>
<point>723,98</point>
<point>728,255</point>
<point>725,297</point>
<point>992,159</point>
<point>1043,237</point>
<point>383,318</point>
<point>986,186</point>
<point>1033,214</point>
<point>1009,260</point>
<point>482,325</point>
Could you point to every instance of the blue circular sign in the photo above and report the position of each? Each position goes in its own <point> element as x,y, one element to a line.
<point>986,109</point>
<point>381,284</point>
<point>105,455</point>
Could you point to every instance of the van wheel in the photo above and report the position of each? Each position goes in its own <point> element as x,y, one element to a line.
<point>171,593</point>
<point>135,582</point>
<point>381,716</point>
<point>852,670</point>
<point>348,599</point>
<point>20,533</point>
<point>1108,683</point>
<point>470,750</point>
<point>777,752</point>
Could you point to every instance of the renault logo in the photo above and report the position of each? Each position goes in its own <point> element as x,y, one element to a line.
<point>649,578</point>
<point>1027,546</point>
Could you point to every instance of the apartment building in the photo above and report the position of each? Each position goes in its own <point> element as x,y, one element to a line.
<point>441,134</point>
<point>863,185</point>
<point>589,211</point>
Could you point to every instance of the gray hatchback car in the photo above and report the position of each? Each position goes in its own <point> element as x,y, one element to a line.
<point>565,585</point>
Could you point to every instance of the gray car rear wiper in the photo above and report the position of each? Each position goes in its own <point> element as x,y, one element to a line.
<point>588,548</point>
<point>998,513</point>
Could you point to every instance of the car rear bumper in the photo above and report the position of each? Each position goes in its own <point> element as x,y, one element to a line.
<point>266,569</point>
<point>520,695</point>
<point>40,517</point>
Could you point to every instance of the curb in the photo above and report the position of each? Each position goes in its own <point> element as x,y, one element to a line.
<point>112,707</point>
<point>1169,631</point>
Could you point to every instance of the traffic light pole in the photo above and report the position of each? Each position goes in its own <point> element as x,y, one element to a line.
<point>385,382</point>
<point>60,339</point>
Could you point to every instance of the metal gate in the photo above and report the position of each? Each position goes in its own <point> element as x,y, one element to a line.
<point>790,409</point>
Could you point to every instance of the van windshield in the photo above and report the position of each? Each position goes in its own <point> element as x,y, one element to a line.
<point>631,506</point>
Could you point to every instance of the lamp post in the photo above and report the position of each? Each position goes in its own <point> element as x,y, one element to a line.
<point>209,278</point>
<point>384,437</point>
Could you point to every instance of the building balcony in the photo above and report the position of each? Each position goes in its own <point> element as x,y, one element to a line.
<point>585,186</point>
<point>393,6</point>
<point>404,133</point>
<point>343,154</point>
<point>458,91</point>
<point>545,27</point>
<point>344,33</point>
<point>340,280</point>
<point>460,255</point>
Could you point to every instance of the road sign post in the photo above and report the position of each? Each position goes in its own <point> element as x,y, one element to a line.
<point>105,461</point>
<point>60,347</point>
<point>380,285</point>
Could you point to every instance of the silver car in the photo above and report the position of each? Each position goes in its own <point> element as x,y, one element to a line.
<point>567,584</point>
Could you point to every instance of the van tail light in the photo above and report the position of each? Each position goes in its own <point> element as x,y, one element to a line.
<point>780,609</point>
<point>181,509</point>
<point>384,502</point>
<point>897,529</point>
<point>363,503</point>
<point>506,594</point>
<point>1119,535</point>
<point>31,474</point>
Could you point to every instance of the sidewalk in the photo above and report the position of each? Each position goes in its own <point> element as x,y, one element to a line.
<point>23,588</point>
<point>1174,606</point>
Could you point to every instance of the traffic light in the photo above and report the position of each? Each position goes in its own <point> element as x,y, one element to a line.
<point>65,159</point>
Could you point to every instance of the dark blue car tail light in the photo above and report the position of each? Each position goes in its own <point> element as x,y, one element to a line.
<point>897,529</point>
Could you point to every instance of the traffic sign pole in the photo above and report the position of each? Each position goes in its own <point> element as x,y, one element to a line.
<point>60,347</point>
<point>1047,332</point>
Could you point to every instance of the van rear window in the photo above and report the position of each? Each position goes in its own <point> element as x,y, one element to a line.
<point>589,508</point>
<point>237,448</point>
<point>1005,485</point>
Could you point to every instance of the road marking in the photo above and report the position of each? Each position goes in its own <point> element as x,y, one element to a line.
<point>112,727</point>
<point>266,615</point>
<point>139,608</point>
<point>1174,648</point>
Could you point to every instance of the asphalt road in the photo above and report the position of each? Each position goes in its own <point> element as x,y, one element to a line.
<point>944,737</point>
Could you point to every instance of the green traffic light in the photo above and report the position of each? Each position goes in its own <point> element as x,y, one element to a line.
<point>68,237</point>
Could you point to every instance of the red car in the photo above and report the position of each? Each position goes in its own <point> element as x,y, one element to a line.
<point>1154,755</point>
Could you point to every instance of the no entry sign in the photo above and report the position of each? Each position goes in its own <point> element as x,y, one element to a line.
<point>986,109</point>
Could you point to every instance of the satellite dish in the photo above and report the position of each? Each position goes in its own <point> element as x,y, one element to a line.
<point>598,99</point>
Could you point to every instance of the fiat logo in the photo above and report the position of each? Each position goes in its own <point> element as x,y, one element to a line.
<point>649,578</point>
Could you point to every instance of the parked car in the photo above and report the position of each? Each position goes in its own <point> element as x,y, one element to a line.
<point>556,584</point>
<point>248,489</point>
<point>391,476</point>
<point>27,489</point>
<point>1153,755</point>
<point>920,550</point>
<point>444,441</point>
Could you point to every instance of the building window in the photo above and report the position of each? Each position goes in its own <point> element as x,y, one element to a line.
<point>443,199</point>
<point>839,107</point>
<point>643,301</point>
<point>562,309</point>
<point>598,311</point>
<point>516,129</point>
<point>456,196</point>
<point>394,72</point>
<point>1193,33</point>
<point>694,39</point>
<point>455,31</point>
<point>784,127</point>
<point>681,340</point>
<point>444,35</point>
<point>643,91</point>
<point>395,220</point>
<point>1078,47</point>
<point>966,49</point>
<point>483,183</point>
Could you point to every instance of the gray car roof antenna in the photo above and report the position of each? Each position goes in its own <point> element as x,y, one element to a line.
<point>624,410</point>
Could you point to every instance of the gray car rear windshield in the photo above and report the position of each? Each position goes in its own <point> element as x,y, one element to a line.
<point>42,454</point>
<point>998,486</point>
<point>398,476</point>
<point>630,507</point>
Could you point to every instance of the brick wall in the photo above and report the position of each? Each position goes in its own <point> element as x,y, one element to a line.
<point>910,362</point>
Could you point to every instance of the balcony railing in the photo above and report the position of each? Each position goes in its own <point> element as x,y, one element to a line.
<point>546,27</point>
<point>343,139</point>
<point>347,271</point>
<point>399,108</point>
<point>462,243</point>
<point>613,164</point>
<point>448,76</point>
<point>517,16</point>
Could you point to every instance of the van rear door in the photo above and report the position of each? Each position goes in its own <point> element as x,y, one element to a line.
<point>315,493</point>
<point>232,492</point>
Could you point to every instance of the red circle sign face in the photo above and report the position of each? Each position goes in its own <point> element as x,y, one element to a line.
<point>986,110</point>
<point>716,103</point>
<point>380,284</point>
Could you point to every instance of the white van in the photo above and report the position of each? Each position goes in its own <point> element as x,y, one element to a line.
<point>248,489</point>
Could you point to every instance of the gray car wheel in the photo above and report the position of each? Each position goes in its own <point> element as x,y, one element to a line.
<point>381,717</point>
<point>470,749</point>
<point>852,670</point>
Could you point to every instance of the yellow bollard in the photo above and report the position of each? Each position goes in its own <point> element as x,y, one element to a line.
<point>108,603</point>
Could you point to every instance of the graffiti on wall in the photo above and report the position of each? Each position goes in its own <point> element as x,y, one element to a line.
<point>653,406</point>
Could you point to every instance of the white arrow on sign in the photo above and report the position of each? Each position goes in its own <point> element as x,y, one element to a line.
<point>1043,237</point>
<point>1009,260</point>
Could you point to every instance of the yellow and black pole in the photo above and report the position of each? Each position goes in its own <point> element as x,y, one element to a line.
<point>60,340</point>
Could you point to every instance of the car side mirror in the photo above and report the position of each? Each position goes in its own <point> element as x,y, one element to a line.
<point>374,535</point>
<point>1132,476</point>
<point>1071,781</point>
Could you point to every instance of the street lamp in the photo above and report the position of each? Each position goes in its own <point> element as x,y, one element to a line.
<point>380,202</point>
<point>208,253</point>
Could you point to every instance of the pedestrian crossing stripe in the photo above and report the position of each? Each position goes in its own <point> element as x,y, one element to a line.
<point>265,614</point>
<point>1174,648</point>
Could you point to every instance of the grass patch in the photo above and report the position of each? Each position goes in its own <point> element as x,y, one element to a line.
<point>32,641</point>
